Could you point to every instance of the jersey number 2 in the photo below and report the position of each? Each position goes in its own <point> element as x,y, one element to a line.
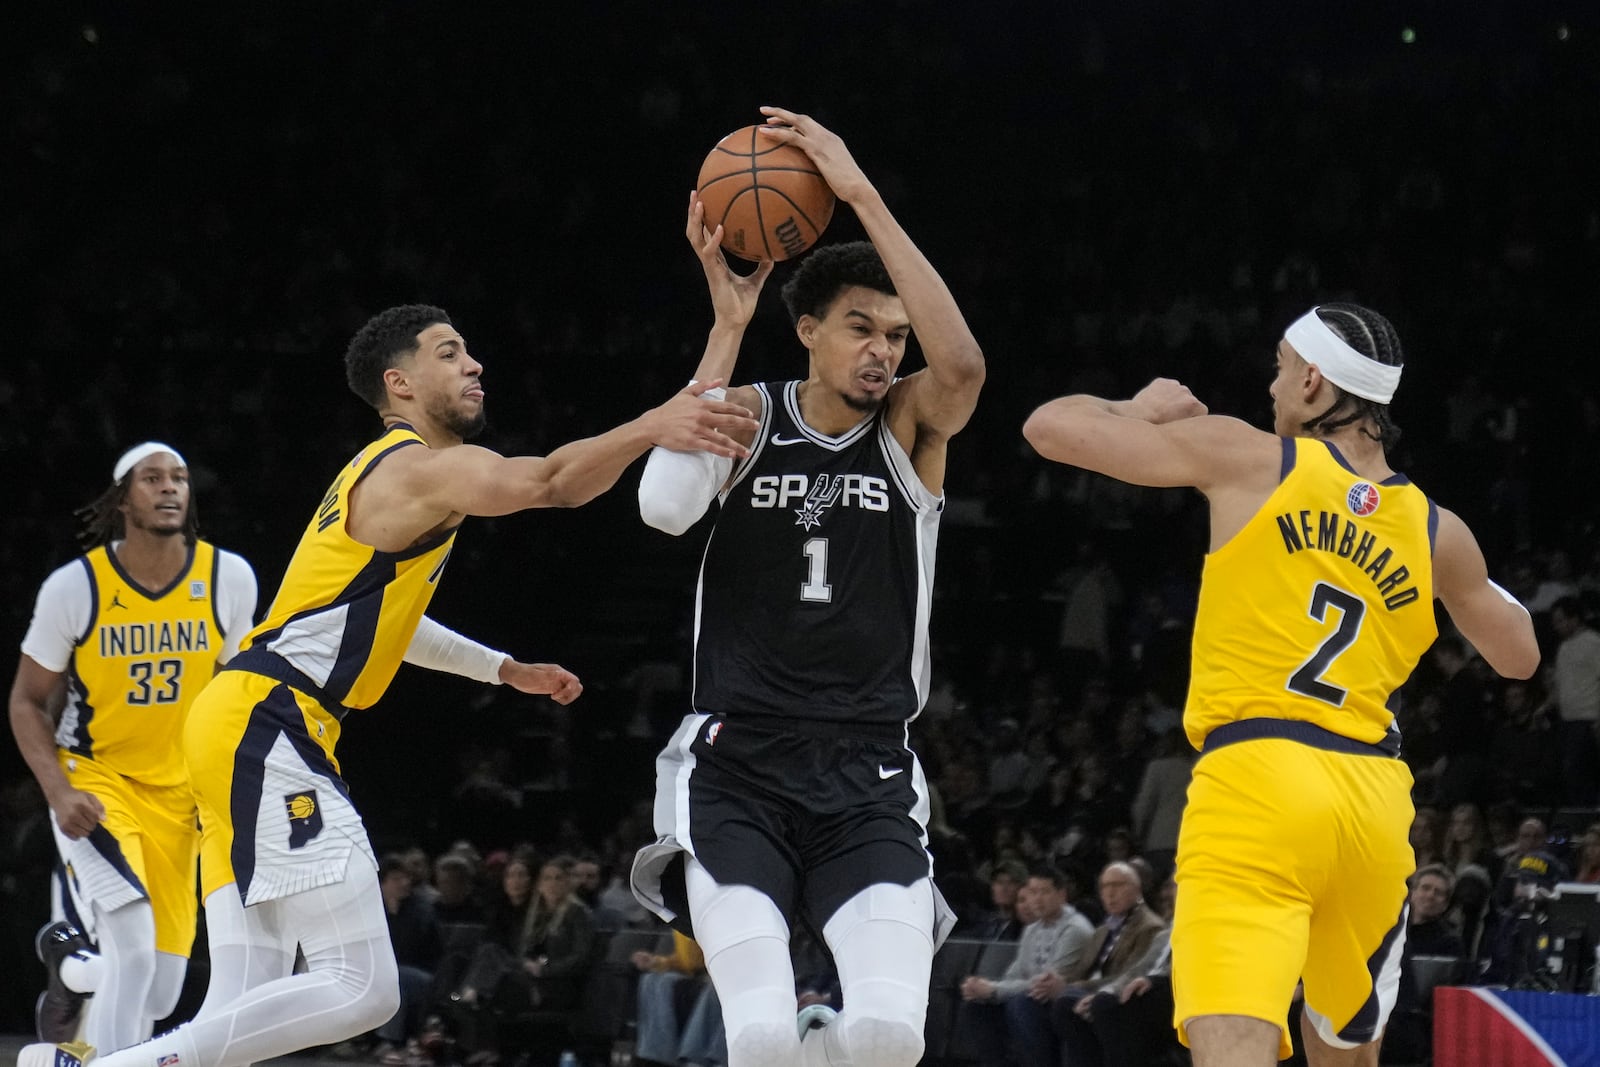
<point>164,689</point>
<point>1307,681</point>
<point>816,587</point>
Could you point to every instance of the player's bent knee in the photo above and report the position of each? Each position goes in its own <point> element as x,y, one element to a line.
<point>883,1042</point>
<point>764,1044</point>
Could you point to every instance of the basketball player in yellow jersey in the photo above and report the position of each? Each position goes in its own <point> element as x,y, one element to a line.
<point>285,860</point>
<point>1316,603</point>
<point>122,639</point>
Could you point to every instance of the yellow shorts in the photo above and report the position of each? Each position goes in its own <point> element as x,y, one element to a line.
<point>144,850</point>
<point>1292,866</point>
<point>275,815</point>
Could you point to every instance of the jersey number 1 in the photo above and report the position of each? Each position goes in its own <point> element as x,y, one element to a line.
<point>1307,681</point>
<point>816,588</point>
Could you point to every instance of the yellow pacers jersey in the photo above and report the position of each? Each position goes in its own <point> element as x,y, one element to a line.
<point>139,665</point>
<point>1320,607</point>
<point>346,612</point>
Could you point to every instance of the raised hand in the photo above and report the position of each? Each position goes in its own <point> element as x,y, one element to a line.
<point>733,296</point>
<point>690,422</point>
<point>1165,400</point>
<point>826,149</point>
<point>541,679</point>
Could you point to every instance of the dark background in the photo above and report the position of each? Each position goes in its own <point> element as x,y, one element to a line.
<point>200,203</point>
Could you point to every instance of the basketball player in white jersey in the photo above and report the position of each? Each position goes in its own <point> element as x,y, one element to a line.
<point>122,639</point>
<point>790,792</point>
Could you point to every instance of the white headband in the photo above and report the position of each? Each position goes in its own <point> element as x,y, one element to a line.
<point>1338,362</point>
<point>130,459</point>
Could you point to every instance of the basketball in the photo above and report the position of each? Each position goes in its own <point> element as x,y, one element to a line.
<point>768,197</point>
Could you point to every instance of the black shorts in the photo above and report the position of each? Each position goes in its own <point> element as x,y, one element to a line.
<point>809,814</point>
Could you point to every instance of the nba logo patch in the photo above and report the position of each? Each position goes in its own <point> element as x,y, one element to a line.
<point>169,1060</point>
<point>711,734</point>
<point>305,817</point>
<point>197,590</point>
<point>1362,499</point>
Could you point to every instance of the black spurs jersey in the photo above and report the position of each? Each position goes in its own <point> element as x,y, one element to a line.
<point>817,581</point>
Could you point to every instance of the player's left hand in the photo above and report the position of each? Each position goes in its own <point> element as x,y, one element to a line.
<point>826,149</point>
<point>541,679</point>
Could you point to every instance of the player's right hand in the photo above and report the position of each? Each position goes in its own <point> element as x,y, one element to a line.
<point>690,422</point>
<point>1165,400</point>
<point>77,813</point>
<point>733,296</point>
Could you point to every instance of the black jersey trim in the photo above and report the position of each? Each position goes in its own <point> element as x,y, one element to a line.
<point>94,601</point>
<point>1286,462</point>
<point>188,565</point>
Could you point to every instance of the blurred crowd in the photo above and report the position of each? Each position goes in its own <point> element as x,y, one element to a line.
<point>1110,196</point>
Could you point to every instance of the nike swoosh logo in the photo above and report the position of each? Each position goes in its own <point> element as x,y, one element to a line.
<point>886,772</point>
<point>777,440</point>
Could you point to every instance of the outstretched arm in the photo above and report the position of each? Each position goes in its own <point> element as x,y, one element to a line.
<point>1146,440</point>
<point>440,648</point>
<point>942,399</point>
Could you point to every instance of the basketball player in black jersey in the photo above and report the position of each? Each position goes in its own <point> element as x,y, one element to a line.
<point>790,790</point>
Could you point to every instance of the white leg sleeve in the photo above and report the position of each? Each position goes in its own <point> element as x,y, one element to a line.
<point>746,942</point>
<point>165,989</point>
<point>882,942</point>
<point>116,1016</point>
<point>352,984</point>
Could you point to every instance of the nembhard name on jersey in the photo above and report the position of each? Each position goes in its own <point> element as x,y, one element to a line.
<point>1331,532</point>
<point>145,638</point>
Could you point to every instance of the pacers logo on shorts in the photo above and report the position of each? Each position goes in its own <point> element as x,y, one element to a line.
<point>305,817</point>
<point>1362,499</point>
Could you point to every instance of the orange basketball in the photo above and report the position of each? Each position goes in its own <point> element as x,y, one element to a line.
<point>768,196</point>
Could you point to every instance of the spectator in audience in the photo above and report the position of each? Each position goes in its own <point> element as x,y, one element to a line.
<point>1576,674</point>
<point>1463,721</point>
<point>1158,806</point>
<point>1008,1017</point>
<point>1527,749</point>
<point>455,887</point>
<point>617,898</point>
<point>1002,923</point>
<point>1119,943</point>
<point>1128,1023</point>
<point>699,1038</point>
<point>539,966</point>
<point>420,867</point>
<point>1427,835</point>
<point>414,932</point>
<point>1587,862</point>
<point>1467,842</point>
<point>1429,932</point>
<point>1526,862</point>
<point>1472,912</point>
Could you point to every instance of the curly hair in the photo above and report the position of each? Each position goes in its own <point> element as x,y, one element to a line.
<point>101,520</point>
<point>380,343</point>
<point>830,269</point>
<point>1373,336</point>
